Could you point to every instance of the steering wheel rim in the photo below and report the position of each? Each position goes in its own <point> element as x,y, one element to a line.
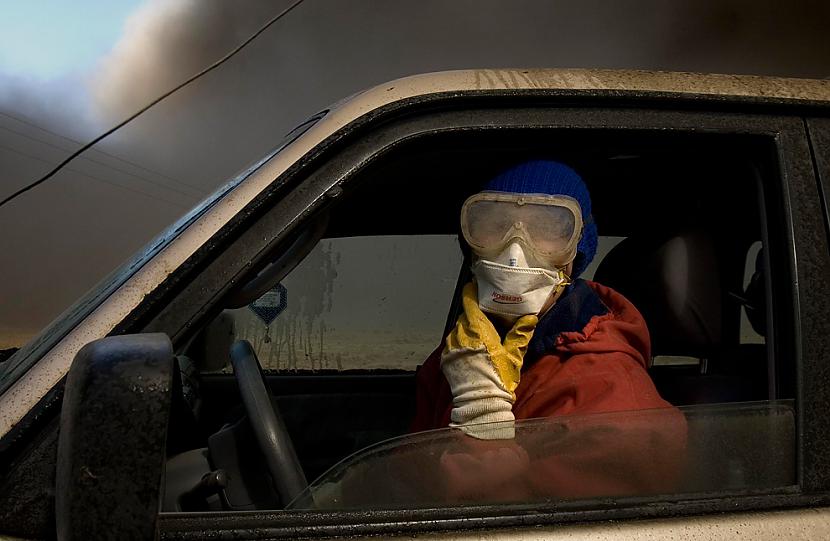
<point>267,424</point>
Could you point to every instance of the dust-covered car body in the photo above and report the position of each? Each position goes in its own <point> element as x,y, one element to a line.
<point>186,277</point>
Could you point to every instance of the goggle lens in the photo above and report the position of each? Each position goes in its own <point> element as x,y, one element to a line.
<point>549,228</point>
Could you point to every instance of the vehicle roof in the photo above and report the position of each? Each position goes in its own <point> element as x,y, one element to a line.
<point>587,81</point>
<point>634,84</point>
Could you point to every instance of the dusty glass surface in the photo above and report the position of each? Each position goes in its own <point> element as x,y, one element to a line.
<point>695,449</point>
<point>376,302</point>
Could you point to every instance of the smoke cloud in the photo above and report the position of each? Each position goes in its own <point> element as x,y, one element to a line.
<point>63,237</point>
<point>166,41</point>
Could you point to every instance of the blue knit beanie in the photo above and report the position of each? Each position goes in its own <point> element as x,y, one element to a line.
<point>553,178</point>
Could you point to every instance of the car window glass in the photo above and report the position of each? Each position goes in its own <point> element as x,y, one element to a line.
<point>13,364</point>
<point>373,302</point>
<point>696,449</point>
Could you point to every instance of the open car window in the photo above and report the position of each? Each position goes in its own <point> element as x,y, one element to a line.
<point>696,449</point>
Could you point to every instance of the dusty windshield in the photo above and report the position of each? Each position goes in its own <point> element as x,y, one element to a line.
<point>17,361</point>
<point>696,449</point>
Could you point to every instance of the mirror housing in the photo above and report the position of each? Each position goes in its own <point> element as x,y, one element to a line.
<point>113,433</point>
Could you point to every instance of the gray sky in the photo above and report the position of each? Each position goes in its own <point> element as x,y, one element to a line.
<point>60,239</point>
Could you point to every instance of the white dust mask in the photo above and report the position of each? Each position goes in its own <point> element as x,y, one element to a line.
<point>510,287</point>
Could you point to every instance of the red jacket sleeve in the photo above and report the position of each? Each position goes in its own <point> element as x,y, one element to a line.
<point>432,395</point>
<point>583,449</point>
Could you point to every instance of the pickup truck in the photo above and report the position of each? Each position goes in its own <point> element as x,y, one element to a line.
<point>250,374</point>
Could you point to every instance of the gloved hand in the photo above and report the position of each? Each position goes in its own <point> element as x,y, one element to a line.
<point>483,372</point>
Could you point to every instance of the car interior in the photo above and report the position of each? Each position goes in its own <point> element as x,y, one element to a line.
<point>688,211</point>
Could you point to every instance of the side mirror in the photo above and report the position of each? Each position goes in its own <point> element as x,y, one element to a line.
<point>113,432</point>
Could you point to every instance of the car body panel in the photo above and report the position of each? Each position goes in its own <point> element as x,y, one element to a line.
<point>795,524</point>
<point>787,97</point>
<point>762,525</point>
<point>802,523</point>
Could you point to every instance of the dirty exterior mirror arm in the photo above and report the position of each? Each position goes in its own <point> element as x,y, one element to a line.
<point>113,434</point>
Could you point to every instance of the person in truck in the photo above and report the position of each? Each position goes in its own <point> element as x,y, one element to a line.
<point>535,341</point>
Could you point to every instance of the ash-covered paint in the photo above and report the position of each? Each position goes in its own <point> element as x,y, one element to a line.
<point>655,81</point>
<point>799,524</point>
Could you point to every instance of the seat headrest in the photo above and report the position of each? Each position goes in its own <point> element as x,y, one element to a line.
<point>674,281</point>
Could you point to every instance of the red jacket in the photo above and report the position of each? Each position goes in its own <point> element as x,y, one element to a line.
<point>588,355</point>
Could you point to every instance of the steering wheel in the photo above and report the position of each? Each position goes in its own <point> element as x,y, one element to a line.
<point>266,421</point>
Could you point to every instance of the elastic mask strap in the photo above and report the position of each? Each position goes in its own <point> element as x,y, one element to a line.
<point>566,281</point>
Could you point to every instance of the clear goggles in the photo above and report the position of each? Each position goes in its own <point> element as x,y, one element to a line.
<point>550,225</point>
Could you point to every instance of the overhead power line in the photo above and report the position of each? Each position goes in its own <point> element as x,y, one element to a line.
<point>135,115</point>
<point>105,181</point>
<point>98,150</point>
<point>145,179</point>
